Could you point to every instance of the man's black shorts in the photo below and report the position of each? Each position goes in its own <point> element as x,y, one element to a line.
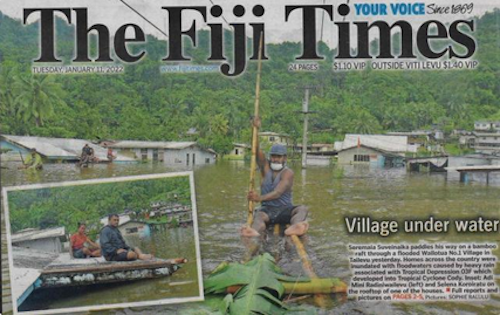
<point>278,215</point>
<point>118,257</point>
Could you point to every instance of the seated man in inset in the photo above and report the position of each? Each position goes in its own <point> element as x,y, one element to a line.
<point>276,195</point>
<point>81,244</point>
<point>113,245</point>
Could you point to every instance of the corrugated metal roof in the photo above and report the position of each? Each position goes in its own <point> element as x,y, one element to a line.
<point>124,218</point>
<point>270,133</point>
<point>36,234</point>
<point>380,142</point>
<point>338,145</point>
<point>416,133</point>
<point>62,148</point>
<point>133,144</point>
<point>168,145</point>
<point>242,145</point>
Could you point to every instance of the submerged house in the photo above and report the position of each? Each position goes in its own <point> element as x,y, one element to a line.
<point>239,151</point>
<point>484,139</point>
<point>375,150</point>
<point>54,149</point>
<point>275,138</point>
<point>167,152</point>
<point>316,148</point>
<point>128,226</point>
<point>47,240</point>
<point>177,211</point>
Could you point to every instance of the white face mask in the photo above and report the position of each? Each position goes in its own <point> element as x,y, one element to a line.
<point>277,166</point>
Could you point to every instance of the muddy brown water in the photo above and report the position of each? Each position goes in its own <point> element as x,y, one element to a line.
<point>331,196</point>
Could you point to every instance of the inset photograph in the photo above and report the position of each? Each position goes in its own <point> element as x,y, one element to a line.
<point>100,244</point>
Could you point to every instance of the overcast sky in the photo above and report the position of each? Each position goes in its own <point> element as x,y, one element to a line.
<point>114,13</point>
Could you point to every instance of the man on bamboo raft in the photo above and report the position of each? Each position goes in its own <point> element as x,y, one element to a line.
<point>276,195</point>
<point>113,245</point>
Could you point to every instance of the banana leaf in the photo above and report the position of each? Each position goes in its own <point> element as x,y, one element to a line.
<point>260,290</point>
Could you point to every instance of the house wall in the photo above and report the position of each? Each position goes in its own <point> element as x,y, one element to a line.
<point>173,157</point>
<point>487,125</point>
<point>125,228</point>
<point>457,161</point>
<point>195,156</point>
<point>237,151</point>
<point>51,245</point>
<point>347,156</point>
<point>318,160</point>
<point>487,143</point>
<point>276,139</point>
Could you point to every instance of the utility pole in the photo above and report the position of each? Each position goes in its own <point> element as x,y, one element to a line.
<point>305,111</point>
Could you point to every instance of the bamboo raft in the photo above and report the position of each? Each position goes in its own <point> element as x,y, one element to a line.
<point>67,272</point>
<point>77,272</point>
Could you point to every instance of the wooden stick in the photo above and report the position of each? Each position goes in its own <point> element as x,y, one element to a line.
<point>277,230</point>
<point>255,134</point>
<point>22,160</point>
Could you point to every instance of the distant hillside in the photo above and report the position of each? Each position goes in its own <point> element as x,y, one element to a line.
<point>144,104</point>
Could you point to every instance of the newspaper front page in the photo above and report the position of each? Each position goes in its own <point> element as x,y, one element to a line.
<point>388,113</point>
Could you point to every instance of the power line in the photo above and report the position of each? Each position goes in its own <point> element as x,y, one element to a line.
<point>143,17</point>
<point>322,21</point>
<point>343,20</point>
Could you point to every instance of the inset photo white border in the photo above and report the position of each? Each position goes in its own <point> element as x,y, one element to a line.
<point>200,297</point>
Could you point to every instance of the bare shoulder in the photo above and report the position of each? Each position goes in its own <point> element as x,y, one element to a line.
<point>287,173</point>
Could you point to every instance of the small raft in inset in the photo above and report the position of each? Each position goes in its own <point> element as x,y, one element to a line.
<point>75,272</point>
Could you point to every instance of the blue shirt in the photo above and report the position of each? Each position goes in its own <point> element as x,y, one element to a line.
<point>268,185</point>
<point>111,240</point>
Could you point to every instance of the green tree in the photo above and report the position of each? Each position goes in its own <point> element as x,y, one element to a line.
<point>37,98</point>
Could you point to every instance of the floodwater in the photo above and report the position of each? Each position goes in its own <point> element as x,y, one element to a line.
<point>167,243</point>
<point>331,196</point>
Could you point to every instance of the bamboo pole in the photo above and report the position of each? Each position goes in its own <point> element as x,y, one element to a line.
<point>320,299</point>
<point>255,134</point>
<point>315,286</point>
<point>276,229</point>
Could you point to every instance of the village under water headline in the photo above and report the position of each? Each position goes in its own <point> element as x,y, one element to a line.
<point>384,228</point>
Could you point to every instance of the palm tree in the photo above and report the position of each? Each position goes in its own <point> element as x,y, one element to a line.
<point>7,99</point>
<point>37,97</point>
<point>219,125</point>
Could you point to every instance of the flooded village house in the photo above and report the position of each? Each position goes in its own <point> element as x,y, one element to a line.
<point>70,150</point>
<point>48,240</point>
<point>375,150</point>
<point>170,153</point>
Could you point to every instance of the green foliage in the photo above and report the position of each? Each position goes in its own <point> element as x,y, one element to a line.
<point>37,97</point>
<point>455,149</point>
<point>260,286</point>
<point>174,222</point>
<point>144,104</point>
<point>68,205</point>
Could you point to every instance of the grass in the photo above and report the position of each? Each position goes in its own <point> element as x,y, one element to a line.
<point>455,149</point>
